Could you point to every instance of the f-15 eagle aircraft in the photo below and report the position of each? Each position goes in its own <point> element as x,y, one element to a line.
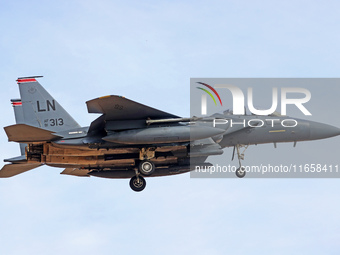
<point>131,140</point>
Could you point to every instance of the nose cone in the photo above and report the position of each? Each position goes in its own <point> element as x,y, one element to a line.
<point>321,131</point>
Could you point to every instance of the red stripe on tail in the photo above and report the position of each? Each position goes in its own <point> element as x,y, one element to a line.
<point>26,80</point>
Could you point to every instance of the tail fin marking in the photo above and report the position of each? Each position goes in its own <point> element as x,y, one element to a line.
<point>40,109</point>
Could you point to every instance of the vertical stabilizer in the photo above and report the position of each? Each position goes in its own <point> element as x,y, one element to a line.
<point>40,109</point>
<point>19,119</point>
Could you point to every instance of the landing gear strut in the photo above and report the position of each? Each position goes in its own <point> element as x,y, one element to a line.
<point>240,172</point>
<point>137,182</point>
<point>146,167</point>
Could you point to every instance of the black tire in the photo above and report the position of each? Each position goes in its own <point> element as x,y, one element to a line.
<point>137,186</point>
<point>240,172</point>
<point>146,167</point>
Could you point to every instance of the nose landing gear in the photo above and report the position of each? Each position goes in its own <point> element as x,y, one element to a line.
<point>240,172</point>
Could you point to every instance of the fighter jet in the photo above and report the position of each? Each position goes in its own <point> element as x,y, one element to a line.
<point>132,140</point>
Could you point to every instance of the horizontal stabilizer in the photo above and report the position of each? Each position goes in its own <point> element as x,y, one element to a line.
<point>120,108</point>
<point>14,169</point>
<point>76,172</point>
<point>23,133</point>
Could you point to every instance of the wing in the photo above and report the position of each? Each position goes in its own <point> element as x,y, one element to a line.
<point>120,108</point>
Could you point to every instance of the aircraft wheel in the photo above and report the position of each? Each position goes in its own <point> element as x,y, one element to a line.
<point>146,167</point>
<point>240,172</point>
<point>137,184</point>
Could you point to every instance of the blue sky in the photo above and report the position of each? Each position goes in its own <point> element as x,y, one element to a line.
<point>148,51</point>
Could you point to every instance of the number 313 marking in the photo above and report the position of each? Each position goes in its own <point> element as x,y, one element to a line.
<point>56,122</point>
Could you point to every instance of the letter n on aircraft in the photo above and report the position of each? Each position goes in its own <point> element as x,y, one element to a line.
<point>50,106</point>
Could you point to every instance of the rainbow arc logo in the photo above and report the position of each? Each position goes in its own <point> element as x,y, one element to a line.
<point>209,93</point>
